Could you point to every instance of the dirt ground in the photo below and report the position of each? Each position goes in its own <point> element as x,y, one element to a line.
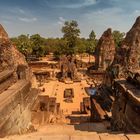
<point>56,89</point>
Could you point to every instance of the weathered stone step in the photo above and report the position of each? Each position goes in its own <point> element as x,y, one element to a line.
<point>74,129</point>
<point>13,96</point>
<point>15,106</point>
<point>81,136</point>
<point>70,132</point>
<point>5,74</point>
<point>8,95</point>
<point>78,118</point>
<point>6,79</point>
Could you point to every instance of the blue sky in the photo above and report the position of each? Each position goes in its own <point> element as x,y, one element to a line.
<point>46,17</point>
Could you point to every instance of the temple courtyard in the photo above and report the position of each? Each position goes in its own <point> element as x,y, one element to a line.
<point>73,97</point>
<point>56,89</point>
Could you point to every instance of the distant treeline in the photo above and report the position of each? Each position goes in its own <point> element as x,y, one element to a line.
<point>71,43</point>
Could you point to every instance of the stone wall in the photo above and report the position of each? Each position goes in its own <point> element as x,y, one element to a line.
<point>16,89</point>
<point>126,107</point>
<point>45,110</point>
<point>15,105</point>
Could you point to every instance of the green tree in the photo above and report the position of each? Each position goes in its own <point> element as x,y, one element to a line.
<point>57,46</point>
<point>118,37</point>
<point>37,45</point>
<point>92,35</point>
<point>91,44</point>
<point>71,33</point>
<point>81,47</point>
<point>23,44</point>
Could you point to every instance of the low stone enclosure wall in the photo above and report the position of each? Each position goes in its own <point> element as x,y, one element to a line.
<point>126,107</point>
<point>96,74</point>
<point>45,110</point>
<point>15,105</point>
<point>85,105</point>
<point>39,64</point>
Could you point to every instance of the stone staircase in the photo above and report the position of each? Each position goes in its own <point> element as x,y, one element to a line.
<point>16,99</point>
<point>69,132</point>
<point>6,79</point>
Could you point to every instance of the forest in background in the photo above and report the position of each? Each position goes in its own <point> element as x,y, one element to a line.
<point>70,43</point>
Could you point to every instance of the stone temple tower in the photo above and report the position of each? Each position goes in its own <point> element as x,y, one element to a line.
<point>105,50</point>
<point>3,34</point>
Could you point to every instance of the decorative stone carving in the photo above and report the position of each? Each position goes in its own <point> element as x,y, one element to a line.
<point>68,68</point>
<point>128,55</point>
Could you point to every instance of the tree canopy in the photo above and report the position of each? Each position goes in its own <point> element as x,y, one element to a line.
<point>23,43</point>
<point>71,33</point>
<point>118,37</point>
<point>70,43</point>
<point>92,35</point>
<point>91,44</point>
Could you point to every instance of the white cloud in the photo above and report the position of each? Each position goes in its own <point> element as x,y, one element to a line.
<point>61,21</point>
<point>89,2</point>
<point>136,13</point>
<point>27,19</point>
<point>75,5</point>
<point>5,22</point>
<point>100,20</point>
<point>85,3</point>
<point>17,10</point>
<point>21,11</point>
